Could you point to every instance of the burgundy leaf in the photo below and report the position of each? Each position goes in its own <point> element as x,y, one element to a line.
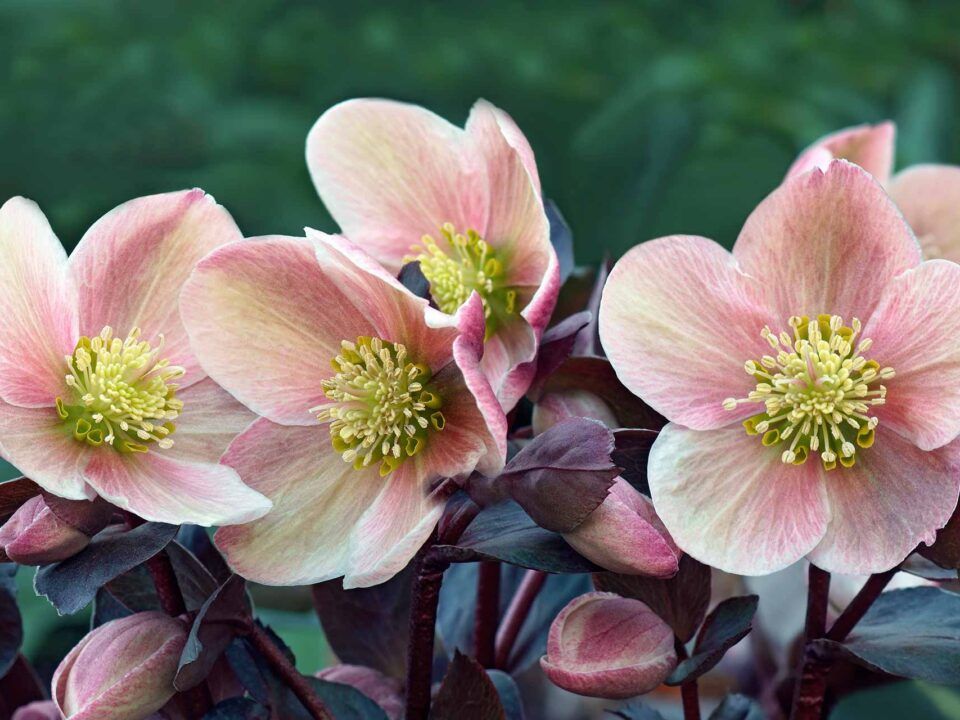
<point>467,692</point>
<point>15,493</point>
<point>555,347</point>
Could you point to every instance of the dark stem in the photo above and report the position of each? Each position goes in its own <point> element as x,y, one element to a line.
<point>689,691</point>
<point>487,612</point>
<point>812,680</point>
<point>515,615</point>
<point>860,604</point>
<point>198,698</point>
<point>289,674</point>
<point>428,578</point>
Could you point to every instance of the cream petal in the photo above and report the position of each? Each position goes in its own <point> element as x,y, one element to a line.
<point>826,242</point>
<point>390,173</point>
<point>164,489</point>
<point>36,442</point>
<point>130,265</point>
<point>731,503</point>
<point>317,500</point>
<point>395,525</point>
<point>38,307</point>
<point>678,320</point>
<point>914,331</point>
<point>869,146</point>
<point>895,497</point>
<point>929,198</point>
<point>210,420</point>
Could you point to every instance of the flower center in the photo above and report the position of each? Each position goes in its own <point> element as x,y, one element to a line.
<point>460,264</point>
<point>817,391</point>
<point>122,394</point>
<point>384,409</point>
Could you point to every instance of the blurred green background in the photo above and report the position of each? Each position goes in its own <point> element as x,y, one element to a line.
<point>648,118</point>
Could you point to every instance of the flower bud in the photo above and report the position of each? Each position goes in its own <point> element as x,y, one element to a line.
<point>122,670</point>
<point>384,691</point>
<point>35,536</point>
<point>557,406</point>
<point>40,710</point>
<point>604,645</point>
<point>624,535</point>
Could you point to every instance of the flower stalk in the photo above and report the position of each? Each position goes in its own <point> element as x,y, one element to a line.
<point>689,691</point>
<point>487,612</point>
<point>430,567</point>
<point>516,614</point>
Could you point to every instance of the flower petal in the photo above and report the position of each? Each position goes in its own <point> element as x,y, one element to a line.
<point>164,489</point>
<point>914,331</point>
<point>210,420</point>
<point>130,265</point>
<point>390,173</point>
<point>265,321</point>
<point>869,146</point>
<point>678,320</point>
<point>395,526</point>
<point>513,135</point>
<point>826,242</point>
<point>35,442</point>
<point>317,500</point>
<point>895,497</point>
<point>731,503</point>
<point>38,307</point>
<point>929,198</point>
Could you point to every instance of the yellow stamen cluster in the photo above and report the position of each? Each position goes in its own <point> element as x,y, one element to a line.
<point>384,408</point>
<point>460,264</point>
<point>817,390</point>
<point>122,394</point>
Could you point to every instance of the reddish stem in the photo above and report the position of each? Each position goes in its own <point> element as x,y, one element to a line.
<point>289,674</point>
<point>516,613</point>
<point>812,681</point>
<point>487,612</point>
<point>860,604</point>
<point>689,691</point>
<point>430,567</point>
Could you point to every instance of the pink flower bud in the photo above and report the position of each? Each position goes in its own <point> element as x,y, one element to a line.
<point>40,710</point>
<point>384,691</point>
<point>625,535</point>
<point>554,407</point>
<point>35,536</point>
<point>603,645</point>
<point>122,670</point>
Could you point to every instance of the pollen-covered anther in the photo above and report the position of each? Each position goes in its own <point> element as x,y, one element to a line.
<point>383,409</point>
<point>817,391</point>
<point>123,395</point>
<point>460,264</point>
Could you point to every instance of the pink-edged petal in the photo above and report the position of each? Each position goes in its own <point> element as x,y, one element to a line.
<point>929,198</point>
<point>513,135</point>
<point>38,307</point>
<point>731,503</point>
<point>36,442</point>
<point>895,497</point>
<point>475,417</point>
<point>395,526</point>
<point>678,320</point>
<point>826,242</point>
<point>317,500</point>
<point>914,331</point>
<point>390,173</point>
<point>210,420</point>
<point>265,321</point>
<point>130,265</point>
<point>869,146</point>
<point>166,489</point>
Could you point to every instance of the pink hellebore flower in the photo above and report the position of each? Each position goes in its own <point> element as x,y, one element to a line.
<point>405,184</point>
<point>122,670</point>
<point>604,645</point>
<point>99,390</point>
<point>928,195</point>
<point>811,377</point>
<point>34,535</point>
<point>368,398</point>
